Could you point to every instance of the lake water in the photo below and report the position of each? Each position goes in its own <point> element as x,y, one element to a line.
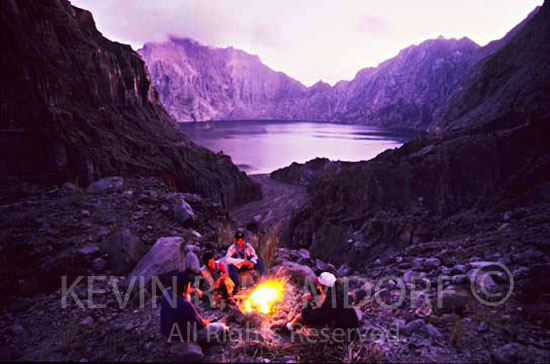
<point>264,146</point>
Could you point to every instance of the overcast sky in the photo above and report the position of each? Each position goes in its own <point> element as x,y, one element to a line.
<point>308,39</point>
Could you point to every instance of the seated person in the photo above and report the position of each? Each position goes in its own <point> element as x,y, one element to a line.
<point>188,263</point>
<point>177,310</point>
<point>216,276</point>
<point>241,257</point>
<point>323,311</point>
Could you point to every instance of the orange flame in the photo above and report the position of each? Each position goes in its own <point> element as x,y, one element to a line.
<point>265,296</point>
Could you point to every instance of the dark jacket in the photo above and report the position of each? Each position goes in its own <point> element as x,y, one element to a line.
<point>178,311</point>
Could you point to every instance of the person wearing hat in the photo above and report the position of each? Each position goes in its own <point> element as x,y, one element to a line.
<point>241,256</point>
<point>326,306</point>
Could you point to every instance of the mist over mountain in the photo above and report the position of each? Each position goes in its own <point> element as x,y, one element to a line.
<point>199,83</point>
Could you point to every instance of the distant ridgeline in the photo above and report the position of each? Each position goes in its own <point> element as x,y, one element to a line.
<point>198,82</point>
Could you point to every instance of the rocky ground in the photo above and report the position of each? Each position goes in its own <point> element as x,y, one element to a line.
<point>66,231</point>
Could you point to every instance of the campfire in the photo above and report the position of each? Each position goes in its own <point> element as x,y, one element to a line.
<point>265,297</point>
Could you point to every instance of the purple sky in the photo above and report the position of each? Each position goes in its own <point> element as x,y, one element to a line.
<point>309,39</point>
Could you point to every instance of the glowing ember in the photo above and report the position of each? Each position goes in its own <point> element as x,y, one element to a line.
<point>265,296</point>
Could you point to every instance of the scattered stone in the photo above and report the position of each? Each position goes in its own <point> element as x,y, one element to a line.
<point>297,272</point>
<point>320,265</point>
<point>105,185</point>
<point>85,213</point>
<point>459,269</point>
<point>186,352</point>
<point>182,211</point>
<point>433,332</point>
<point>99,264</point>
<point>89,249</point>
<point>343,270</point>
<point>378,261</point>
<point>453,300</point>
<point>17,329</point>
<point>460,279</point>
<point>164,208</point>
<point>507,216</point>
<point>304,254</point>
<point>509,353</point>
<point>483,281</point>
<point>87,321</point>
<point>191,262</point>
<point>520,272</point>
<point>482,327</point>
<point>414,326</point>
<point>432,263</point>
<point>417,263</point>
<point>69,187</point>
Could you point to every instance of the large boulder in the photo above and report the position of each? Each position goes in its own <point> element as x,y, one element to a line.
<point>161,260</point>
<point>186,352</point>
<point>105,185</point>
<point>125,251</point>
<point>452,300</point>
<point>295,271</point>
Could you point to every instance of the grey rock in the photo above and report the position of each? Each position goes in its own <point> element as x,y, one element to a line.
<point>343,270</point>
<point>432,263</point>
<point>85,213</point>
<point>417,263</point>
<point>520,272</point>
<point>460,279</point>
<point>433,332</point>
<point>87,321</point>
<point>453,300</point>
<point>89,249</point>
<point>191,262</point>
<point>124,249</point>
<point>186,352</point>
<point>509,353</point>
<point>417,325</point>
<point>99,264</point>
<point>69,187</point>
<point>507,216</point>
<point>17,329</point>
<point>459,269</point>
<point>482,281</point>
<point>298,273</point>
<point>105,185</point>
<point>304,254</point>
<point>320,265</point>
<point>183,213</point>
<point>161,259</point>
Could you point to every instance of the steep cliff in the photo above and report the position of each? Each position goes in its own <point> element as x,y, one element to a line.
<point>514,79</point>
<point>197,82</point>
<point>202,83</point>
<point>77,106</point>
<point>455,184</point>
